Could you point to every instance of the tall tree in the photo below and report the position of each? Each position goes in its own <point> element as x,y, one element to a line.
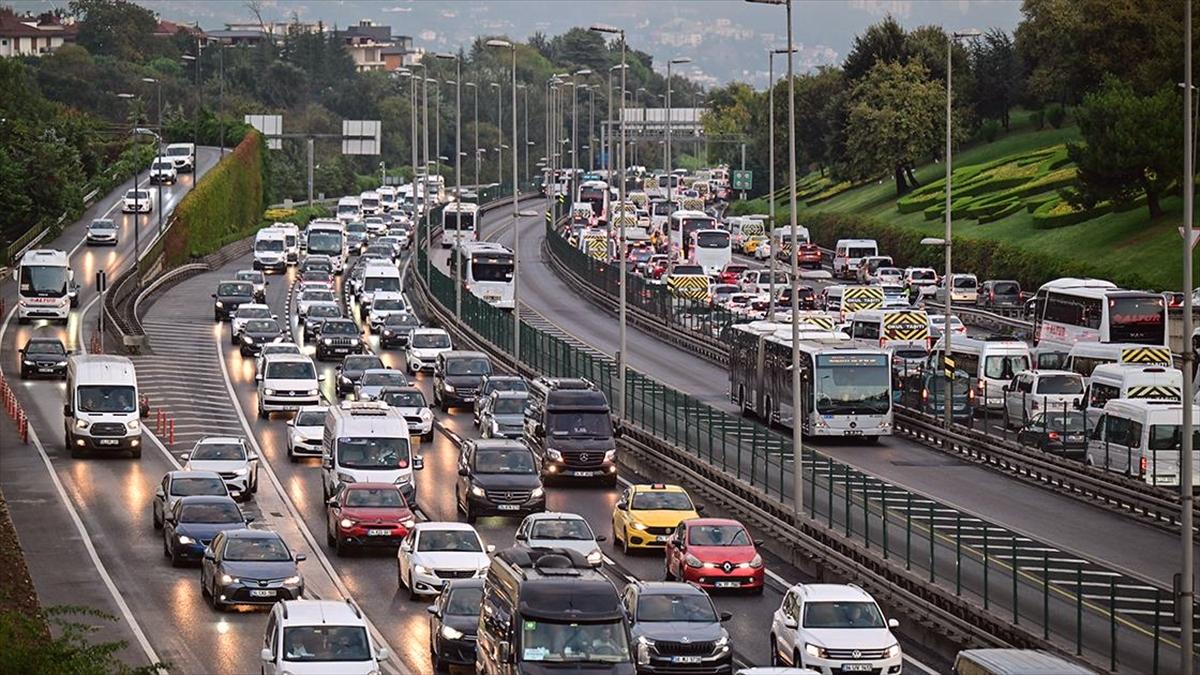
<point>883,42</point>
<point>814,118</point>
<point>893,117</point>
<point>117,28</point>
<point>997,75</point>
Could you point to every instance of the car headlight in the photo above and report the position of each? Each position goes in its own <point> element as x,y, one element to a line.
<point>184,539</point>
<point>328,341</point>
<point>402,480</point>
<point>448,387</point>
<point>248,339</point>
<point>27,362</point>
<point>553,455</point>
<point>220,304</point>
<point>312,392</point>
<point>610,456</point>
<point>595,557</point>
<point>346,523</point>
<point>537,492</point>
<point>722,642</point>
<point>892,652</point>
<point>387,333</point>
<point>639,526</point>
<point>477,491</point>
<point>756,562</point>
<point>421,569</point>
<point>241,472</point>
<point>226,579</point>
<point>692,561</point>
<point>82,424</point>
<point>269,392</point>
<point>409,522</point>
<point>425,414</point>
<point>345,477</point>
<point>60,364</point>
<point>292,580</point>
<point>133,425</point>
<point>451,633</point>
<point>816,651</point>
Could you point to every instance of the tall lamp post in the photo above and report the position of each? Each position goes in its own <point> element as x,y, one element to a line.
<point>196,124</point>
<point>1184,602</point>
<point>591,90</point>
<point>457,180</point>
<point>159,149</point>
<point>575,86</point>
<point>499,131</point>
<point>608,149</point>
<point>671,62</point>
<point>620,230</point>
<point>516,214</point>
<point>527,142</point>
<point>771,164</point>
<point>475,120</point>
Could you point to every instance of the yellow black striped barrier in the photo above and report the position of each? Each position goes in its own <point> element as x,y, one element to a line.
<point>597,248</point>
<point>689,286</point>
<point>1147,355</point>
<point>948,365</point>
<point>906,326</point>
<point>1162,392</point>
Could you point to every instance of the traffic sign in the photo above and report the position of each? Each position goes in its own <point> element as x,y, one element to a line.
<point>742,179</point>
<point>101,281</point>
<point>1195,235</point>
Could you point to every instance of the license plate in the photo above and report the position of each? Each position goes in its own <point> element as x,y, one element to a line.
<point>685,659</point>
<point>45,370</point>
<point>107,441</point>
<point>262,594</point>
<point>378,533</point>
<point>856,668</point>
<point>507,507</point>
<point>584,474</point>
<point>662,538</point>
<point>728,584</point>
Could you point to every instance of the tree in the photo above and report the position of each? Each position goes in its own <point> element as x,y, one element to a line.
<point>894,114</point>
<point>1130,145</point>
<point>580,47</point>
<point>883,42</point>
<point>117,28</point>
<point>997,75</point>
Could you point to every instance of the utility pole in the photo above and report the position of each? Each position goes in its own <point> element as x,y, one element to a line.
<point>309,145</point>
<point>1184,603</point>
<point>670,178</point>
<point>458,261</point>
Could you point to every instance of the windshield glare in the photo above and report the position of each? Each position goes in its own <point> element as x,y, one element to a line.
<point>574,642</point>
<point>269,245</point>
<point>504,460</point>
<point>393,378</point>
<point>468,367</point>
<point>576,424</point>
<point>219,451</point>
<point>388,304</point>
<point>189,487</point>
<point>373,452</point>
<point>1170,437</point>
<point>842,615</point>
<point>325,242</point>
<point>572,529</point>
<point>691,608</point>
<point>509,406</point>
<point>362,363</point>
<point>310,419</point>
<point>106,398</point>
<point>210,513</point>
<point>464,601</point>
<point>325,643</point>
<point>256,549</point>
<point>404,399</point>
<point>378,498</point>
<point>464,541</point>
<point>291,370</point>
<point>661,501</point>
<point>1059,384</point>
<point>717,535</point>
<point>236,289</point>
<point>712,239</point>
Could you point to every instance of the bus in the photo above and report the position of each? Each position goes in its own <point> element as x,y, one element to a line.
<point>1069,311</point>
<point>488,272</point>
<point>683,223</point>
<point>595,192</point>
<point>325,237</point>
<point>710,249</point>
<point>845,391</point>
<point>45,286</point>
<point>459,223</point>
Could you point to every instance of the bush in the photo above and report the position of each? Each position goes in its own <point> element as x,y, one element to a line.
<point>749,207</point>
<point>989,130</point>
<point>1060,213</point>
<point>1037,119</point>
<point>1056,115</point>
<point>27,649</point>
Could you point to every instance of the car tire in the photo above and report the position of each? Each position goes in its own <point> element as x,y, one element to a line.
<point>263,414</point>
<point>469,514</point>
<point>796,657</point>
<point>339,549</point>
<point>436,660</point>
<point>254,485</point>
<point>24,373</point>
<point>412,590</point>
<point>176,561</point>
<point>427,436</point>
<point>233,340</point>
<point>758,590</point>
<point>156,519</point>
<point>775,660</point>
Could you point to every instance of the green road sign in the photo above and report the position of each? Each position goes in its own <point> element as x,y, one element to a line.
<point>742,180</point>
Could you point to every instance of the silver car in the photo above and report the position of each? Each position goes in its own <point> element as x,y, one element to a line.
<point>179,484</point>
<point>503,414</point>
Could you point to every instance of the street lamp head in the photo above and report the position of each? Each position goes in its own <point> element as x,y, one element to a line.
<point>933,241</point>
<point>450,82</point>
<point>619,66</point>
<point>968,34</point>
<point>126,96</point>
<point>784,50</point>
<point>188,57</point>
<point>602,28</point>
<point>431,80</point>
<point>770,2</point>
<point>150,80</point>
<point>584,71</point>
<point>500,43</point>
<point>682,59</point>
<point>445,55</point>
<point>469,84</point>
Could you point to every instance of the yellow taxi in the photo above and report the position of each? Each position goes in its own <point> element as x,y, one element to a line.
<point>646,515</point>
<point>753,243</point>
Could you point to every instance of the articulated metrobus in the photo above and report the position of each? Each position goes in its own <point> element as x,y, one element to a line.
<point>845,391</point>
<point>683,223</point>
<point>1069,311</point>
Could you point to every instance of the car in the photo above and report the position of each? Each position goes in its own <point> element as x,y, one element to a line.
<point>244,314</point>
<point>457,377</point>
<point>314,278</point>
<point>375,380</point>
<point>183,156</point>
<point>352,368</point>
<point>317,263</point>
<point>436,551</point>
<point>963,288</point>
<point>1057,432</point>
<point>397,244</point>
<point>715,553</point>
<point>719,294</point>
<point>749,244</point>
<point>424,345</point>
<point>162,171</point>
<point>503,415</point>
<point>396,330</point>
<point>337,337</point>
<point>889,276</point>
<point>305,432</point>
<point>731,273</point>
<point>1034,391</point>
<point>278,347</point>
<point>102,231</point>
<point>809,255</point>
<point>137,201</point>
<point>806,298</point>
<point>1000,294</point>
<point>313,296</point>
<point>320,636</point>
<point>316,315</point>
<point>256,333</point>
<point>176,485</point>
<point>869,266</point>
<point>229,297</point>
<point>410,401</point>
<point>367,514</point>
<point>827,627</point>
<point>287,382</point>
<point>927,393</point>
<point>551,529</point>
<point>497,382</point>
<point>759,281</point>
<point>920,280</point>
<point>646,516</point>
<point>191,524</point>
<point>677,629</point>
<point>250,567</point>
<point>763,251</point>
<point>383,305</point>
<point>43,357</point>
<point>230,457</point>
<point>257,278</point>
<point>497,477</point>
<point>454,623</point>
<point>937,326</point>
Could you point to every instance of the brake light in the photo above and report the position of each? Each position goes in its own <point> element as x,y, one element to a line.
<point>1053,435</point>
<point>1142,464</point>
<point>970,394</point>
<point>924,394</point>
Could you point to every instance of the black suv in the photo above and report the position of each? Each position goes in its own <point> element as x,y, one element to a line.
<point>258,332</point>
<point>229,296</point>
<point>498,477</point>
<point>457,377</point>
<point>338,337</point>
<point>674,624</point>
<point>351,370</point>
<point>43,357</point>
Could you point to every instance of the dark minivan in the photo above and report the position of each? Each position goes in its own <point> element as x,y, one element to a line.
<point>457,377</point>
<point>999,294</point>
<point>569,426</point>
<point>498,477</point>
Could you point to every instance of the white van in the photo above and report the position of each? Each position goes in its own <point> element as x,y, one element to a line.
<point>1035,391</point>
<point>291,240</point>
<point>348,209</point>
<point>388,199</point>
<point>368,203</point>
<point>991,363</point>
<point>287,382</point>
<point>183,156</point>
<point>1084,357</point>
<point>270,250</point>
<point>367,442</point>
<point>424,345</point>
<point>1142,439</point>
<point>101,411</point>
<point>1126,380</point>
<point>382,277</point>
<point>849,253</point>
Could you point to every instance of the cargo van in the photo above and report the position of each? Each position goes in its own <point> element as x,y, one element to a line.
<point>101,411</point>
<point>1125,380</point>
<point>291,240</point>
<point>849,253</point>
<point>1142,439</point>
<point>270,250</point>
<point>569,426</point>
<point>367,442</point>
<point>992,364</point>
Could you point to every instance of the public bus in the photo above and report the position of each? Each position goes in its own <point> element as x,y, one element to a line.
<point>682,224</point>
<point>710,249</point>
<point>845,391</point>
<point>1069,311</point>
<point>45,286</point>
<point>327,237</point>
<point>488,272</point>
<point>595,192</point>
<point>459,222</point>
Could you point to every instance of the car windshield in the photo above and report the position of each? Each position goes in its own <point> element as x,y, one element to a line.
<point>692,607</point>
<point>506,384</point>
<point>567,529</point>
<point>393,378</point>
<point>577,424</point>
<point>140,195</point>
<point>404,399</point>
<point>326,643</point>
<point>262,326</point>
<point>376,498</point>
<point>848,614</point>
<point>718,535</point>
<point>220,512</point>
<point>191,487</point>
<point>47,347</point>
<point>509,406</point>
<point>310,418</point>
<point>664,500</point>
<point>464,541</point>
<point>324,311</point>
<point>1072,421</point>
<point>356,227</point>
<point>401,320</point>
<point>504,460</point>
<point>431,341</point>
<point>389,283</point>
<point>251,276</point>
<point>555,642</point>
<point>317,296</point>
<point>362,363</point>
<point>468,367</point>
<point>1060,384</point>
<point>372,452</point>
<point>464,601</point>
<point>291,370</point>
<point>253,313</point>
<point>1005,367</point>
<point>393,304</point>
<point>314,275</point>
<point>219,451</point>
<point>338,327</point>
<point>923,275</point>
<point>269,245</point>
<point>256,549</point>
<point>178,152</point>
<point>235,289</point>
<point>965,282</point>
<point>107,398</point>
<point>103,225</point>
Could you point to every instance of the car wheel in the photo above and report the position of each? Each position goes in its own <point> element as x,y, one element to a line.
<point>232,337</point>
<point>436,659</point>
<point>412,589</point>
<point>775,661</point>
<point>254,485</point>
<point>176,561</point>
<point>796,658</point>
<point>263,414</point>
<point>158,523</point>
<point>471,517</point>
<point>24,373</point>
<point>204,593</point>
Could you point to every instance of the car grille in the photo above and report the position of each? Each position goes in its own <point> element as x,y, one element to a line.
<point>295,392</point>
<point>466,392</point>
<point>587,460</point>
<point>413,421</point>
<point>855,654</point>
<point>341,341</point>
<point>108,429</point>
<point>228,475</point>
<point>660,530</point>
<point>667,648</point>
<point>454,574</point>
<point>508,496</point>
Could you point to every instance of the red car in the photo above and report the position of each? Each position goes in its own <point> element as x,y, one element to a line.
<point>809,255</point>
<point>367,514</point>
<point>732,273</point>
<point>715,553</point>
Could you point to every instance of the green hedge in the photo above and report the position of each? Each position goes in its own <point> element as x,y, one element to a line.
<point>1058,213</point>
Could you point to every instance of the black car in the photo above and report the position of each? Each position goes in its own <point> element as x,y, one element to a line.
<point>498,477</point>
<point>806,298</point>
<point>926,391</point>
<point>249,567</point>
<point>396,330</point>
<point>999,294</point>
<point>453,622</point>
<point>258,332</point>
<point>191,524</point>
<point>1056,432</point>
<point>498,383</point>
<point>677,629</point>
<point>457,377</point>
<point>259,280</point>
<point>229,296</point>
<point>316,315</point>
<point>351,370</point>
<point>43,357</point>
<point>338,337</point>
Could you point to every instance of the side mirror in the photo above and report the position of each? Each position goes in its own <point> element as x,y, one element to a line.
<point>726,616</point>
<point>209,555</point>
<point>432,609</point>
<point>491,548</point>
<point>301,557</point>
<point>758,543</point>
<point>699,508</point>
<point>893,623</point>
<point>266,655</point>
<point>418,462</point>
<point>623,505</point>
<point>333,503</point>
<point>184,455</point>
<point>618,429</point>
<point>521,536</point>
<point>789,622</point>
<point>320,377</point>
<point>249,519</point>
<point>327,462</point>
<point>214,295</point>
<point>462,471</point>
<point>291,422</point>
<point>383,654</point>
<point>600,538</point>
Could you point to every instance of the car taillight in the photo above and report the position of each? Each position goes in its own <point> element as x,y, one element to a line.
<point>981,385</point>
<point>1053,435</point>
<point>970,394</point>
<point>1033,405</point>
<point>1142,464</point>
<point>924,394</point>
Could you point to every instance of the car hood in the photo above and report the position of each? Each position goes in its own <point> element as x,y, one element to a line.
<point>310,432</point>
<point>260,569</point>
<point>464,380</point>
<point>412,412</point>
<point>205,530</point>
<point>582,546</point>
<point>376,515</point>
<point>720,554</point>
<point>674,630</point>
<point>264,335</point>
<point>46,358</point>
<point>289,384</point>
<point>427,353</point>
<point>534,668</point>
<point>452,560</point>
<point>513,420</point>
<point>328,668</point>
<point>468,624</point>
<point>500,481</point>
<point>857,638</point>
<point>580,444</point>
<point>216,465</point>
<point>235,299</point>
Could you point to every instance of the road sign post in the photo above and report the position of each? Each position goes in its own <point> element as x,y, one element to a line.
<point>742,180</point>
<point>102,288</point>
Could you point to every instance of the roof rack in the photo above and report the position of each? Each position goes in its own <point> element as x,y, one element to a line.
<point>357,611</point>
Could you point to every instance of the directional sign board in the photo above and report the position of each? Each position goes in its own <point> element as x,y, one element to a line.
<point>742,179</point>
<point>361,137</point>
<point>270,126</point>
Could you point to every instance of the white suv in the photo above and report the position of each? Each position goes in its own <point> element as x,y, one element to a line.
<point>231,458</point>
<point>319,636</point>
<point>833,628</point>
<point>424,345</point>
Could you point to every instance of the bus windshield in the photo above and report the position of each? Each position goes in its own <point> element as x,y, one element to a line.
<point>1137,320</point>
<point>852,384</point>
<point>325,243</point>
<point>492,268</point>
<point>452,220</point>
<point>43,281</point>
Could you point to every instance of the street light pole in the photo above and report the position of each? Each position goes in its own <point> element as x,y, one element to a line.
<point>1184,603</point>
<point>425,180</point>
<point>499,133</point>
<point>515,212</point>
<point>196,121</point>
<point>527,141</point>
<point>158,150</point>
<point>668,157</point>
<point>475,120</point>
<point>771,166</point>
<point>457,181</point>
<point>591,127</point>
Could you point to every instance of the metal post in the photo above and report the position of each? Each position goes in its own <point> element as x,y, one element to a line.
<point>621,237</point>
<point>458,186</point>
<point>743,167</point>
<point>574,141</point>
<point>425,186</point>
<point>437,123</point>
<point>797,441</point>
<point>221,97</point>
<point>667,156</point>
<point>158,153</point>
<point>591,127</point>
<point>499,134</point>
<point>309,146</point>
<point>771,172</point>
<point>947,282</point>
<point>608,126</point>
<point>1186,590</point>
<point>528,176</point>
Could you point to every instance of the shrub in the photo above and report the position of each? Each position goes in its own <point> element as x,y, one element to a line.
<point>1037,119</point>
<point>27,649</point>
<point>1056,114</point>
<point>279,215</point>
<point>1060,213</point>
<point>989,130</point>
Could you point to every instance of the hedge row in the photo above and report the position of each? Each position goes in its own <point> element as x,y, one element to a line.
<point>1059,213</point>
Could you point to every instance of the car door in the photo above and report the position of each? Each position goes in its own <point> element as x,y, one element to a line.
<point>1115,450</point>
<point>407,546</point>
<point>675,550</point>
<point>784,636</point>
<point>463,482</point>
<point>208,567</point>
<point>160,497</point>
<point>169,521</point>
<point>1012,399</point>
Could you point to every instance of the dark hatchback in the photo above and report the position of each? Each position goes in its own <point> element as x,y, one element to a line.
<point>396,330</point>
<point>498,477</point>
<point>1058,433</point>
<point>927,393</point>
<point>677,629</point>
<point>453,624</point>
<point>229,296</point>
<point>43,357</point>
<point>258,332</point>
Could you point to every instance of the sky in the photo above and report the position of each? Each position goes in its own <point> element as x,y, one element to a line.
<point>727,40</point>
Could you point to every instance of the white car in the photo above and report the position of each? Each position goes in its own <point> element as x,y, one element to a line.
<point>833,628</point>
<point>435,551</point>
<point>320,636</point>
<point>1036,391</point>
<point>424,345</point>
<point>244,314</point>
<point>183,156</point>
<point>308,298</point>
<point>937,325</point>
<point>375,224</point>
<point>763,251</point>
<point>230,457</point>
<point>162,171</point>
<point>550,529</point>
<point>375,380</point>
<point>287,382</point>
<point>410,402</point>
<point>889,276</point>
<point>102,231</point>
<point>137,201</point>
<point>383,305</point>
<point>274,348</point>
<point>305,432</point>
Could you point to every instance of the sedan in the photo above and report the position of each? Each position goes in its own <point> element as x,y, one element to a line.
<point>375,380</point>
<point>310,297</point>
<point>190,526</point>
<point>314,278</point>
<point>453,624</point>
<point>229,457</point>
<point>258,332</point>
<point>1057,432</point>
<point>396,330</point>
<point>351,369</point>
<point>715,553</point>
<point>43,357</point>
<point>102,231</point>
<point>258,279</point>
<point>551,529</point>
<point>367,514</point>
<point>250,567</point>
<point>435,551</point>
<point>179,484</point>
<point>229,297</point>
<point>411,403</point>
<point>244,314</point>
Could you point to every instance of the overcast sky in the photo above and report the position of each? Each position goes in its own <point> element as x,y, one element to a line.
<point>726,39</point>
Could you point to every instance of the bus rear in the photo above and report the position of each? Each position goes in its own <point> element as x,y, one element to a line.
<point>711,250</point>
<point>459,223</point>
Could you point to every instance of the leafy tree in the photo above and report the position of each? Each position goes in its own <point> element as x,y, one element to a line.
<point>893,117</point>
<point>997,75</point>
<point>883,42</point>
<point>817,94</point>
<point>117,28</point>
<point>1130,145</point>
<point>581,47</point>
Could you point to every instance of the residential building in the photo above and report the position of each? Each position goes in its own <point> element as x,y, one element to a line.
<point>365,43</point>
<point>30,35</point>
